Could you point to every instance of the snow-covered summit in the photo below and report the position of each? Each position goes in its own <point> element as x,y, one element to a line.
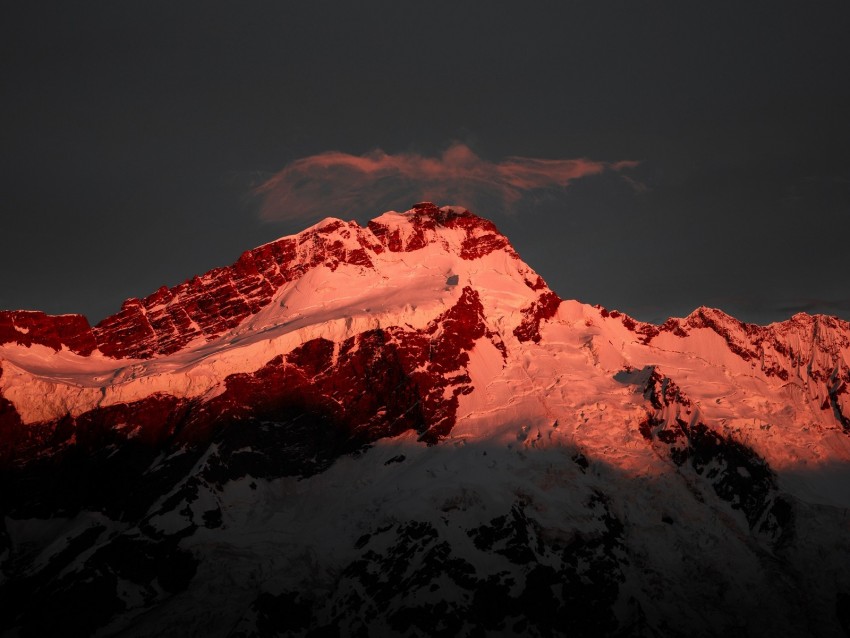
<point>208,306</point>
<point>333,281</point>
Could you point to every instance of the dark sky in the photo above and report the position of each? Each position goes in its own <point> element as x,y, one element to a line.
<point>132,135</point>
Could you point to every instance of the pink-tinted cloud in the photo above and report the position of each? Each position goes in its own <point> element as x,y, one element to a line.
<point>340,184</point>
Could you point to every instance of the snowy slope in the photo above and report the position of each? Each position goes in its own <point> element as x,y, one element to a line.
<point>335,300</point>
<point>399,428</point>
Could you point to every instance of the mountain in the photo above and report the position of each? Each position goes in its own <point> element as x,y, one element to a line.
<point>399,429</point>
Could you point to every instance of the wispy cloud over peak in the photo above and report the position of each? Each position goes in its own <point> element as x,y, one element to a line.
<point>341,184</point>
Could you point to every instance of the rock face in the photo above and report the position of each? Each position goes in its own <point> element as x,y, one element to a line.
<point>26,328</point>
<point>206,307</point>
<point>398,429</point>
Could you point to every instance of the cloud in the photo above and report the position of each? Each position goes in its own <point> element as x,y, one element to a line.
<point>340,184</point>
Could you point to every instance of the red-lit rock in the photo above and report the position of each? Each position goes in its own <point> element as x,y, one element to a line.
<point>27,327</point>
<point>207,306</point>
<point>375,384</point>
<point>544,308</point>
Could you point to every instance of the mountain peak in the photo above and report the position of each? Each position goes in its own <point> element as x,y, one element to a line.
<point>207,306</point>
<point>440,278</point>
